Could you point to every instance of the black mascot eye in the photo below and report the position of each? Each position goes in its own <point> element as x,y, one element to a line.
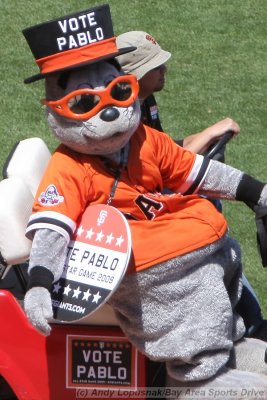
<point>121,91</point>
<point>83,103</point>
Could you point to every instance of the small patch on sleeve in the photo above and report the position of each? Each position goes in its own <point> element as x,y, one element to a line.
<point>50,197</point>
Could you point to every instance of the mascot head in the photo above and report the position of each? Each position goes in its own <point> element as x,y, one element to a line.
<point>92,106</point>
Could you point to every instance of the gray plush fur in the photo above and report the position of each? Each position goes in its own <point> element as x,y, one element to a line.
<point>35,299</point>
<point>159,307</point>
<point>181,311</point>
<point>54,246</point>
<point>94,136</point>
<point>249,355</point>
<point>228,384</point>
<point>221,181</point>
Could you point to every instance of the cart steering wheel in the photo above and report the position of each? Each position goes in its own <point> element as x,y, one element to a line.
<point>216,150</point>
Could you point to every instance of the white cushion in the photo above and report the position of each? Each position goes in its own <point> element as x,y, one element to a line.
<point>29,161</point>
<point>15,209</point>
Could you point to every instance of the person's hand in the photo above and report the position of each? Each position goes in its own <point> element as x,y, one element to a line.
<point>200,142</point>
<point>38,308</point>
<point>216,131</point>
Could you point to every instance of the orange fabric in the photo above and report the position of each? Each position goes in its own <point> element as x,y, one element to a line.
<point>77,56</point>
<point>179,224</point>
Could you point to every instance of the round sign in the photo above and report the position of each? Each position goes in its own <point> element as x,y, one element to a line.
<point>97,259</point>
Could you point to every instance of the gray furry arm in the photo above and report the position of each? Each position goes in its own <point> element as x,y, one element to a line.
<point>49,249</point>
<point>221,181</point>
<point>47,258</point>
<point>225,182</point>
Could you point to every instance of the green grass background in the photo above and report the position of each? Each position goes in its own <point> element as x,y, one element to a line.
<point>218,68</point>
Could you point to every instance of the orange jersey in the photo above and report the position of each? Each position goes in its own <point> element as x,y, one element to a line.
<point>163,226</point>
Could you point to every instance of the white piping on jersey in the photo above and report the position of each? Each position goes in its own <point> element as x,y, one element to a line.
<point>194,174</point>
<point>41,220</point>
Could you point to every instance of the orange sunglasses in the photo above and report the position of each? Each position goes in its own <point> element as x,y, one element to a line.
<point>82,104</point>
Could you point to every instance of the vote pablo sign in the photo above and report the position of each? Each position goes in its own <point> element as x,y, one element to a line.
<point>97,258</point>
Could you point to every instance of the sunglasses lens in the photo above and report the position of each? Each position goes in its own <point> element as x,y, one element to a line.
<point>83,103</point>
<point>121,91</point>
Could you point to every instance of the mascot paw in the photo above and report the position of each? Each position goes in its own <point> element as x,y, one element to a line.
<point>38,307</point>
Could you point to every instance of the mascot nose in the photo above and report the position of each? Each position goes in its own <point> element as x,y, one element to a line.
<point>109,114</point>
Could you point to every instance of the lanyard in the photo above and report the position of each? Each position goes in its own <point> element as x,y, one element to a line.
<point>117,176</point>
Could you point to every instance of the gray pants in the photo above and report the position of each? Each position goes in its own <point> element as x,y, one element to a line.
<point>181,311</point>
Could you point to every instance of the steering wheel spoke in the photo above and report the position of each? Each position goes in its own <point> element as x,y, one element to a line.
<point>216,151</point>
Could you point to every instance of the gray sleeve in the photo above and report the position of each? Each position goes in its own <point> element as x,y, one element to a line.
<point>49,250</point>
<point>221,181</point>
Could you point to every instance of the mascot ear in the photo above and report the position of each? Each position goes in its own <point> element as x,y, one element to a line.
<point>53,90</point>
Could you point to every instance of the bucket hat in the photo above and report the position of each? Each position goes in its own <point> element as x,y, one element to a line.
<point>147,56</point>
